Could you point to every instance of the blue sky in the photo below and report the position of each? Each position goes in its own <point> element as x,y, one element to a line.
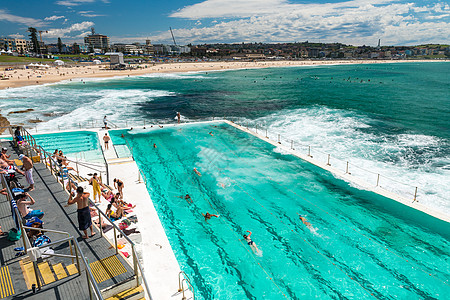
<point>357,22</point>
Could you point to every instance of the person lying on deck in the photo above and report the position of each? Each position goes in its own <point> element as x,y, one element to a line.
<point>114,212</point>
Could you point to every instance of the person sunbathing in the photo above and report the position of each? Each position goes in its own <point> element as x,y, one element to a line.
<point>114,212</point>
<point>107,194</point>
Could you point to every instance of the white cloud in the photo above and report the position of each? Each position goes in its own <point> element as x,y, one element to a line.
<point>53,18</point>
<point>5,16</point>
<point>89,14</point>
<point>353,22</point>
<point>17,36</point>
<point>71,3</point>
<point>65,32</point>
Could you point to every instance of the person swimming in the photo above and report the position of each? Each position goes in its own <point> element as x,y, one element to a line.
<point>250,242</point>
<point>197,172</point>
<point>303,219</point>
<point>209,216</point>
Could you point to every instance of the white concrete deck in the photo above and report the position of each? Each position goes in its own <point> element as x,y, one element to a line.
<point>348,177</point>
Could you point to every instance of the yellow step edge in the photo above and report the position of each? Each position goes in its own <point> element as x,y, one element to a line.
<point>59,271</point>
<point>126,293</point>
<point>28,273</point>
<point>72,269</point>
<point>7,288</point>
<point>46,273</point>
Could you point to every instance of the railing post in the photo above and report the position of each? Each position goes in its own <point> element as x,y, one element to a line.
<point>346,170</point>
<point>378,179</point>
<point>135,264</point>
<point>115,240</point>
<point>309,151</point>
<point>70,246</point>
<point>100,221</point>
<point>292,144</point>
<point>38,280</point>
<point>415,195</point>
<point>328,162</point>
<point>279,142</point>
<point>266,133</point>
<point>144,122</point>
<point>89,285</point>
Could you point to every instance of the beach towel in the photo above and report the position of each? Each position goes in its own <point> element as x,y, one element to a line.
<point>84,218</point>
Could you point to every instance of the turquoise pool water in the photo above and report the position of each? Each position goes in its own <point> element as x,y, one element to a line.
<point>82,144</point>
<point>360,246</point>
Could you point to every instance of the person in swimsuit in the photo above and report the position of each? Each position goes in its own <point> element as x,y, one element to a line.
<point>197,172</point>
<point>95,182</point>
<point>107,194</point>
<point>250,242</point>
<point>83,211</point>
<point>209,216</point>
<point>106,139</point>
<point>303,219</point>
<point>118,184</point>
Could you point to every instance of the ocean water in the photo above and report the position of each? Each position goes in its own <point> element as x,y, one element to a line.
<point>359,245</point>
<point>389,119</point>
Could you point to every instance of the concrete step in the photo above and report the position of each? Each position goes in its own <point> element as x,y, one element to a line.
<point>119,288</point>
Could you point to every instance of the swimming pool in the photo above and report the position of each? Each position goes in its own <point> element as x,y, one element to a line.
<point>82,144</point>
<point>361,245</point>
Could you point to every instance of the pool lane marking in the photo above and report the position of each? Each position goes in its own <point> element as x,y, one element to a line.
<point>367,237</point>
<point>308,243</point>
<point>190,178</point>
<point>334,217</point>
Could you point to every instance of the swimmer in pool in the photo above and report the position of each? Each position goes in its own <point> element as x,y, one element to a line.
<point>197,172</point>
<point>209,216</point>
<point>188,199</point>
<point>250,242</point>
<point>211,134</point>
<point>303,219</point>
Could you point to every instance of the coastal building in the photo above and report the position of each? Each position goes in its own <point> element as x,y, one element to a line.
<point>97,41</point>
<point>15,45</point>
<point>148,49</point>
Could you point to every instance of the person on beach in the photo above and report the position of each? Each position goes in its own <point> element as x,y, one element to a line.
<point>118,184</point>
<point>250,242</point>
<point>83,211</point>
<point>197,172</point>
<point>178,117</point>
<point>95,182</point>
<point>22,205</point>
<point>106,139</point>
<point>105,122</point>
<point>209,216</point>
<point>28,167</point>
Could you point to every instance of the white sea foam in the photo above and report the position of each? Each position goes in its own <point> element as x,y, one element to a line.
<point>341,133</point>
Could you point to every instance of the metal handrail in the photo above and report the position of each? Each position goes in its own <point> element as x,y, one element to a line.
<point>79,252</point>
<point>180,284</point>
<point>137,265</point>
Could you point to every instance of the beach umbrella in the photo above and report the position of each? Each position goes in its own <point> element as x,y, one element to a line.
<point>58,62</point>
<point>96,62</point>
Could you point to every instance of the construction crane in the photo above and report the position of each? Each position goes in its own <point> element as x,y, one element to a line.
<point>172,36</point>
<point>40,33</point>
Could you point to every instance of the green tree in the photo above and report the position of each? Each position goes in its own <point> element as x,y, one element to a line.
<point>76,48</point>
<point>60,45</point>
<point>34,40</point>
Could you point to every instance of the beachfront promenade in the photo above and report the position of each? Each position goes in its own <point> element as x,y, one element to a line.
<point>108,267</point>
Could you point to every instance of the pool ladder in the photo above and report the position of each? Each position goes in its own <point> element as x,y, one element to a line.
<point>181,284</point>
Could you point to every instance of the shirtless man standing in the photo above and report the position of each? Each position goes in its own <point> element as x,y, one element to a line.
<point>28,167</point>
<point>84,213</point>
<point>106,139</point>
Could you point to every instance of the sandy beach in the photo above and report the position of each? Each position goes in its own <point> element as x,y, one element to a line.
<point>18,76</point>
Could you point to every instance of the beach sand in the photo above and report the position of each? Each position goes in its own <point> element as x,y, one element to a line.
<point>23,77</point>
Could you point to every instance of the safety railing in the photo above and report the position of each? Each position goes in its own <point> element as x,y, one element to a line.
<point>327,160</point>
<point>67,183</point>
<point>181,288</point>
<point>92,284</point>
